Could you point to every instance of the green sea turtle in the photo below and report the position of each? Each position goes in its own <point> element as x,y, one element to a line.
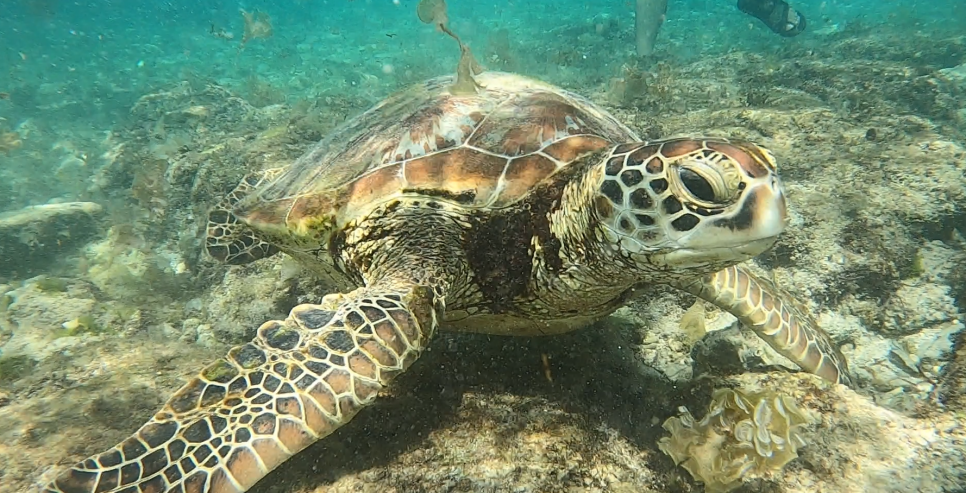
<point>517,209</point>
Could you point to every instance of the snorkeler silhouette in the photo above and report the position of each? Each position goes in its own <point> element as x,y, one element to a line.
<point>776,14</point>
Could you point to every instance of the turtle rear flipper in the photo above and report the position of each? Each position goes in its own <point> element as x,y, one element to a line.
<point>782,324</point>
<point>229,240</point>
<point>299,380</point>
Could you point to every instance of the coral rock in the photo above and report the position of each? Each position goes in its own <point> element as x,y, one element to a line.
<point>33,237</point>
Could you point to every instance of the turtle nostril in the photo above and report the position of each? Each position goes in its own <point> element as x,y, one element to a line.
<point>697,185</point>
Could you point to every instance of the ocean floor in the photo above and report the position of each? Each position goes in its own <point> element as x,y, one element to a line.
<point>113,306</point>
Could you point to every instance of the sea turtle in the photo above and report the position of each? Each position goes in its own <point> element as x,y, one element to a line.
<point>514,208</point>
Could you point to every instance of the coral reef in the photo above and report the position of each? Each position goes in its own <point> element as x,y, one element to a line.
<point>952,390</point>
<point>742,436</point>
<point>33,238</point>
<point>35,314</point>
<point>867,125</point>
<point>261,93</point>
<point>952,381</point>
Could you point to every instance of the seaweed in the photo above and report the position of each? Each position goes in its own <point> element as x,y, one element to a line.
<point>47,284</point>
<point>13,368</point>
<point>693,324</point>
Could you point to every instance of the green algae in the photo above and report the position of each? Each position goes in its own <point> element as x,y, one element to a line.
<point>13,368</point>
<point>83,325</point>
<point>220,371</point>
<point>49,284</point>
<point>915,268</point>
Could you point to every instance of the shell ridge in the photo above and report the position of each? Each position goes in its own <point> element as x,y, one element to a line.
<point>488,153</point>
<point>413,130</point>
<point>483,120</point>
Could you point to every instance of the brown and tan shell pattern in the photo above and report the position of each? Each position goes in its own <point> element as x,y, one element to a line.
<point>483,150</point>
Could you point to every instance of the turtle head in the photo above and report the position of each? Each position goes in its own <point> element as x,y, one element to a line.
<point>685,204</point>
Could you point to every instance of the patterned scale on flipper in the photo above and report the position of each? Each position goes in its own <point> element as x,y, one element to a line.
<point>295,383</point>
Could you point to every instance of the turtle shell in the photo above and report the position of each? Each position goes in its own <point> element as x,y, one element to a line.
<point>485,150</point>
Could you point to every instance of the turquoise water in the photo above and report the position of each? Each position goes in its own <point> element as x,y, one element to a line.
<point>146,113</point>
<point>74,68</point>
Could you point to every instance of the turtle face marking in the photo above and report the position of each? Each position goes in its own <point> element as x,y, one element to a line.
<point>686,203</point>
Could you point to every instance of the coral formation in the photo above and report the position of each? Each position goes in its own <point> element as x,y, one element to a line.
<point>33,237</point>
<point>149,184</point>
<point>741,436</point>
<point>952,381</point>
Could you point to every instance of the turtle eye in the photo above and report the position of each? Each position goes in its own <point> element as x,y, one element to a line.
<point>697,185</point>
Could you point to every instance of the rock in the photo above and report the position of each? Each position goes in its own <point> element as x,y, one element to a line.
<point>37,313</point>
<point>955,75</point>
<point>952,389</point>
<point>32,237</point>
<point>860,446</point>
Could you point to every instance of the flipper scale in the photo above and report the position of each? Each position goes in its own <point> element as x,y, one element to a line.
<point>243,415</point>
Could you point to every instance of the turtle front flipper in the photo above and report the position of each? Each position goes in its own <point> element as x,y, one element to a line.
<point>299,380</point>
<point>229,240</point>
<point>785,326</point>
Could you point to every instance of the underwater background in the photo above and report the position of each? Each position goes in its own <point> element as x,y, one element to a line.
<point>122,122</point>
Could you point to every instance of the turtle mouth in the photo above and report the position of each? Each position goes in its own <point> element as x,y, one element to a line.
<point>717,257</point>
